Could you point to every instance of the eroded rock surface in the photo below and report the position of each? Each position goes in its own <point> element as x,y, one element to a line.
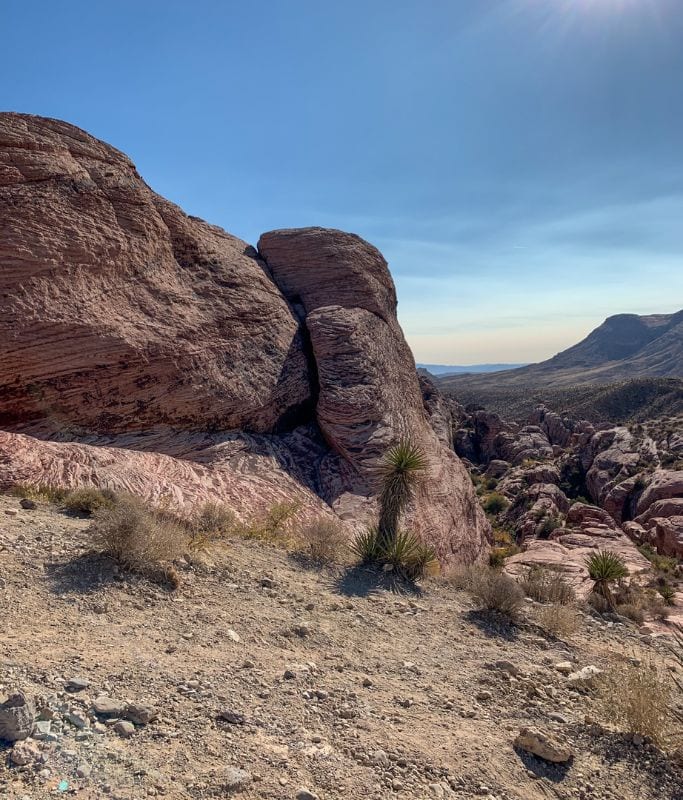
<point>145,349</point>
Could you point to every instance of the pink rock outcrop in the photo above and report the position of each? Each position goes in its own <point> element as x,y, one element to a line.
<point>141,348</point>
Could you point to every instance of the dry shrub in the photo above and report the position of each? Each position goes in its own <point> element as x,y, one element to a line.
<point>210,523</point>
<point>324,539</point>
<point>631,611</point>
<point>638,699</point>
<point>42,492</point>
<point>559,620</point>
<point>88,499</point>
<point>135,536</point>
<point>496,591</point>
<point>274,526</point>
<point>546,586</point>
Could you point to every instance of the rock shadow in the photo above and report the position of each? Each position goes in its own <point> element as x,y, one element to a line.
<point>492,624</point>
<point>362,581</point>
<point>555,773</point>
<point>89,572</point>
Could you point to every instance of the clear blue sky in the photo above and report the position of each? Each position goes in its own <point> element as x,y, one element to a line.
<point>519,162</point>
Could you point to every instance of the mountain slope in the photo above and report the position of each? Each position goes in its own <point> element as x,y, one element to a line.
<point>625,346</point>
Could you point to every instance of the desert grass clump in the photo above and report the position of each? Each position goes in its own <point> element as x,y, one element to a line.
<point>558,619</point>
<point>323,540</point>
<point>41,492</point>
<point>546,586</point>
<point>605,568</point>
<point>88,499</point>
<point>668,594</point>
<point>638,700</point>
<point>496,591</point>
<point>210,523</point>
<point>495,503</point>
<point>135,536</point>
<point>662,564</point>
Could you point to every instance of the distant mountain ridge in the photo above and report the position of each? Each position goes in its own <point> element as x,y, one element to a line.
<point>624,346</point>
<point>458,369</point>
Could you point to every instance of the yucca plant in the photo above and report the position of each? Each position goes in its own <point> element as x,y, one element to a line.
<point>366,545</point>
<point>408,555</point>
<point>604,568</point>
<point>668,594</point>
<point>400,472</point>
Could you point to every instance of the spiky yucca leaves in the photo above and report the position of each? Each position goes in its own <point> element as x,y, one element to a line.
<point>408,556</point>
<point>400,472</point>
<point>604,568</point>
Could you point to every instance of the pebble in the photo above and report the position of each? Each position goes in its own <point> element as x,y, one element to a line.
<point>235,779</point>
<point>83,770</point>
<point>124,728</point>
<point>305,794</point>
<point>77,684</point>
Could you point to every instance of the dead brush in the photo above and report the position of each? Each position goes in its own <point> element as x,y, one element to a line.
<point>546,586</point>
<point>41,492</point>
<point>136,537</point>
<point>496,591</point>
<point>87,499</point>
<point>638,699</point>
<point>274,526</point>
<point>558,619</point>
<point>210,524</point>
<point>324,540</point>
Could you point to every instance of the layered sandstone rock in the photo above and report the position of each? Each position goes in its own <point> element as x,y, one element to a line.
<point>172,359</point>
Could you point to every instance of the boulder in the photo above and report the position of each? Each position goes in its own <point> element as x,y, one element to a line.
<point>664,485</point>
<point>144,350</point>
<point>17,717</point>
<point>543,745</point>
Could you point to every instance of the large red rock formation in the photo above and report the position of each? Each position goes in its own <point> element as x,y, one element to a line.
<point>160,354</point>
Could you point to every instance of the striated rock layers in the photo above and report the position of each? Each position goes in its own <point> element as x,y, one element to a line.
<point>145,349</point>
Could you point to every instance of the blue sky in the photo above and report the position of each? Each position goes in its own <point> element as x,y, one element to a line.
<point>518,162</point>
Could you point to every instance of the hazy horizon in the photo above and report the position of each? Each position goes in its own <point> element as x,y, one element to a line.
<point>516,161</point>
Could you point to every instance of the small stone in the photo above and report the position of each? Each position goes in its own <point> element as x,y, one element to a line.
<point>83,770</point>
<point>234,779</point>
<point>483,696</point>
<point>507,666</point>
<point>232,635</point>
<point>540,744</point>
<point>233,717</point>
<point>305,794</point>
<point>397,785</point>
<point>565,667</point>
<point>557,717</point>
<point>108,707</point>
<point>584,675</point>
<point>78,719</point>
<point>77,684</point>
<point>124,728</point>
<point>24,753</point>
<point>248,664</point>
<point>42,731</point>
<point>28,505</point>
<point>367,683</point>
<point>140,714</point>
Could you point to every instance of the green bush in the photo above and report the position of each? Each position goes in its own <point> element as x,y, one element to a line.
<point>495,503</point>
<point>406,554</point>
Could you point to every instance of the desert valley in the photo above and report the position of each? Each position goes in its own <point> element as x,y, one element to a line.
<point>248,549</point>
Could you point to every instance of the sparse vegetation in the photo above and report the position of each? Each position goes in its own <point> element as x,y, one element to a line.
<point>664,564</point>
<point>668,594</point>
<point>400,470</point>
<point>496,591</point>
<point>44,493</point>
<point>547,525</point>
<point>546,586</point>
<point>559,620</point>
<point>406,554</point>
<point>210,523</point>
<point>274,526</point>
<point>135,536</point>
<point>638,699</point>
<point>323,540</point>
<point>605,568</point>
<point>88,499</point>
<point>495,503</point>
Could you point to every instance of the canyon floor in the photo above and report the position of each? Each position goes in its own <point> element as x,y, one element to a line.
<point>276,679</point>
